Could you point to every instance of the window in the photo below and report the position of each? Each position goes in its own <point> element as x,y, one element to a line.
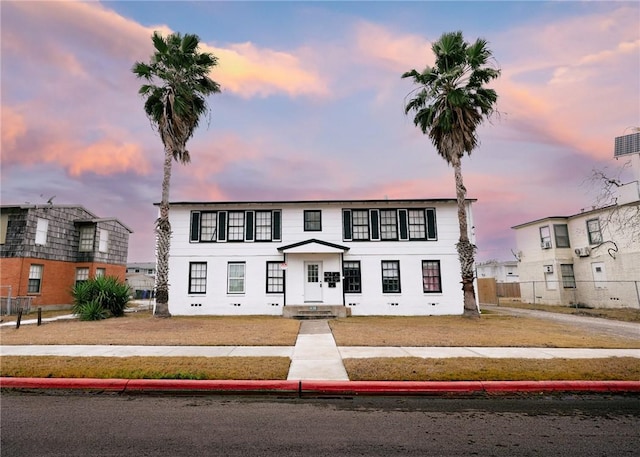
<point>275,278</point>
<point>103,244</point>
<point>545,237</point>
<point>593,228</point>
<point>41,231</point>
<point>197,277</point>
<point>82,274</point>
<point>236,226</point>
<point>431,281</point>
<point>35,279</point>
<point>235,278</point>
<point>100,272</point>
<point>417,225</point>
<point>568,279</point>
<point>4,225</point>
<point>390,276</point>
<point>360,224</point>
<point>312,220</point>
<point>208,226</point>
<point>389,225</point>
<point>561,233</point>
<point>352,281</point>
<point>263,225</point>
<point>86,238</point>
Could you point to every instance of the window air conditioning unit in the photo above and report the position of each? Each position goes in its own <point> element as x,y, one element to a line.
<point>548,268</point>
<point>582,252</point>
<point>546,245</point>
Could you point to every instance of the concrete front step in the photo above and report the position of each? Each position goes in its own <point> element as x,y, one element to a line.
<point>315,311</point>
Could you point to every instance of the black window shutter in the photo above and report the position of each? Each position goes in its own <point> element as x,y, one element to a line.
<point>375,225</point>
<point>346,224</point>
<point>276,226</point>
<point>222,226</point>
<point>195,226</point>
<point>248,226</point>
<point>404,232</point>
<point>432,233</point>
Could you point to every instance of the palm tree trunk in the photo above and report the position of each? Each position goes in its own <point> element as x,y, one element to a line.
<point>163,240</point>
<point>466,250</point>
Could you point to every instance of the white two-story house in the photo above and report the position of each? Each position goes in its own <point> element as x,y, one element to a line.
<point>592,257</point>
<point>360,257</point>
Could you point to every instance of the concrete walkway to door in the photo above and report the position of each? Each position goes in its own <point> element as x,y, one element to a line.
<point>315,355</point>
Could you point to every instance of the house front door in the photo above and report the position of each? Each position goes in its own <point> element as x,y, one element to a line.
<point>313,282</point>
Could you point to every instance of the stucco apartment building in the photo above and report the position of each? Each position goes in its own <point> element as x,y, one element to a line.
<point>590,258</point>
<point>360,257</point>
<point>46,249</point>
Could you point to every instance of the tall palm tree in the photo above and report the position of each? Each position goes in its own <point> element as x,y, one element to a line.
<point>449,104</point>
<point>177,83</point>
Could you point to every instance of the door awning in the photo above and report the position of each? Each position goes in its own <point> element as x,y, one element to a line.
<point>313,246</point>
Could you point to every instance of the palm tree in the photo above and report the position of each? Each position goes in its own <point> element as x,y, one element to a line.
<point>449,104</point>
<point>177,83</point>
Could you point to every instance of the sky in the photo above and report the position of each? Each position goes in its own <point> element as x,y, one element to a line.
<point>312,106</point>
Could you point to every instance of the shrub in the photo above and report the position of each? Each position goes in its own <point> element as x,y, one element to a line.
<point>106,291</point>
<point>91,311</point>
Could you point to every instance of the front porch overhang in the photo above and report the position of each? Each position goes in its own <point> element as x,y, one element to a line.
<point>313,246</point>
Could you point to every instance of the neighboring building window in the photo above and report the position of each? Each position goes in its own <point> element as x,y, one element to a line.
<point>595,235</point>
<point>100,272</point>
<point>82,274</point>
<point>360,224</point>
<point>103,244</point>
<point>417,225</point>
<point>568,279</point>
<point>236,226</point>
<point>208,226</point>
<point>352,281</point>
<point>275,278</point>
<point>431,280</point>
<point>263,225</point>
<point>390,276</point>
<point>312,220</point>
<point>35,279</point>
<point>235,278</point>
<point>197,277</point>
<point>41,231</point>
<point>86,238</point>
<point>561,233</point>
<point>4,225</point>
<point>545,237</point>
<point>388,225</point>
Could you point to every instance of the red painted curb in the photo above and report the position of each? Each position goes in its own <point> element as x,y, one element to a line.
<point>158,385</point>
<point>65,383</point>
<point>302,388</point>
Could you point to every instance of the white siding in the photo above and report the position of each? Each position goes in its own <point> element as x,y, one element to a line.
<point>371,301</point>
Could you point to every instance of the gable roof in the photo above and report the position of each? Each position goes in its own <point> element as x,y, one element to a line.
<point>312,246</point>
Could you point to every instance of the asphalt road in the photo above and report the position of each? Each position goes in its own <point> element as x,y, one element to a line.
<point>75,424</point>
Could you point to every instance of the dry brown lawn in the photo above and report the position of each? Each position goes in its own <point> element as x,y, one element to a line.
<point>490,330</point>
<point>146,367</point>
<point>481,369</point>
<point>620,314</point>
<point>146,330</point>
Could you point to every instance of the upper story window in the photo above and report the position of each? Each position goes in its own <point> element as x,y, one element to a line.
<point>103,243</point>
<point>4,226</point>
<point>389,224</point>
<point>360,222</point>
<point>545,237</point>
<point>593,229</point>
<point>41,231</point>
<point>312,220</point>
<point>87,233</point>
<point>561,233</point>
<point>252,225</point>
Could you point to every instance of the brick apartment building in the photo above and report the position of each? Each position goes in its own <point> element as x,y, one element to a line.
<point>46,249</point>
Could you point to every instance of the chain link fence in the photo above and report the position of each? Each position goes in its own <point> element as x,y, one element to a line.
<point>595,294</point>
